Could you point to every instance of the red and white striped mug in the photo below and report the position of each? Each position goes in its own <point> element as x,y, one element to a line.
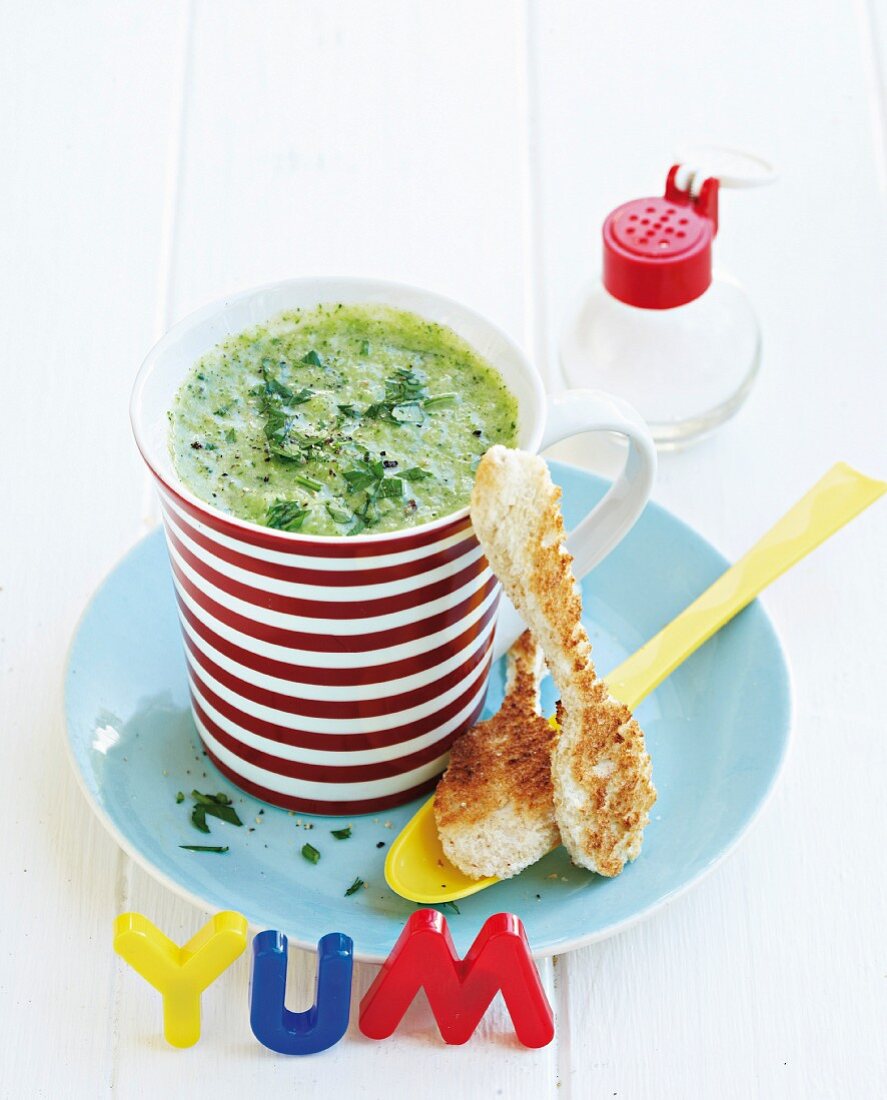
<point>328,674</point>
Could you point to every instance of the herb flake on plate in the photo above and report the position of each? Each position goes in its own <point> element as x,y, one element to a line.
<point>205,847</point>
<point>341,834</point>
<point>212,805</point>
<point>310,853</point>
<point>354,887</point>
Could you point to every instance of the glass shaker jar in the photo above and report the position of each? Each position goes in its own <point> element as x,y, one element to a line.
<point>683,347</point>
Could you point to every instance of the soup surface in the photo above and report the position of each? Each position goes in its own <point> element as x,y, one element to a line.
<point>340,420</point>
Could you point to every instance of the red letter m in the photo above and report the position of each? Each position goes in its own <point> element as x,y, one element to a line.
<point>459,991</point>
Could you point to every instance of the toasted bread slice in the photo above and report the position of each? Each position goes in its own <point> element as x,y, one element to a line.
<point>494,806</point>
<point>601,772</point>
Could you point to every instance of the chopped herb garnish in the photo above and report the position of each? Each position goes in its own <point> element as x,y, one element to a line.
<point>363,476</point>
<point>354,887</point>
<point>348,410</point>
<point>358,479</point>
<point>223,813</point>
<point>405,385</point>
<point>416,473</point>
<point>371,476</point>
<point>439,400</point>
<point>364,347</point>
<point>278,408</point>
<point>341,834</point>
<point>337,514</point>
<point>310,853</point>
<point>286,515</point>
<point>400,405</point>
<point>180,797</point>
<point>308,482</point>
<point>390,487</point>
<point>204,847</point>
<point>312,359</point>
<point>230,436</point>
<point>213,805</point>
<point>275,388</point>
<point>408,414</point>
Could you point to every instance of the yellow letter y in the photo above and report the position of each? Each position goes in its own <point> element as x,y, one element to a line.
<point>180,974</point>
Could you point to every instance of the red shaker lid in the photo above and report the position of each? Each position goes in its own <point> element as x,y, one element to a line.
<point>657,252</point>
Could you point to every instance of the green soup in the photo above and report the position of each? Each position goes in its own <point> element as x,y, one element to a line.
<point>339,420</point>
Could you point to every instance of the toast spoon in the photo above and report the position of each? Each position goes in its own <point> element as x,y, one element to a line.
<point>416,867</point>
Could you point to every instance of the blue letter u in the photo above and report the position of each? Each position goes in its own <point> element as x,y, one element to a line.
<point>324,1024</point>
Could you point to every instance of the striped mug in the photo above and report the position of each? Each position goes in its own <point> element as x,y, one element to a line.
<point>330,675</point>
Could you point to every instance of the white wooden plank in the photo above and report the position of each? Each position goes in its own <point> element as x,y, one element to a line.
<point>765,981</point>
<point>384,140</point>
<point>872,20</point>
<point>377,139</point>
<point>87,91</point>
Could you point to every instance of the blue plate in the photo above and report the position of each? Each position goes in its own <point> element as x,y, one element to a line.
<point>717,731</point>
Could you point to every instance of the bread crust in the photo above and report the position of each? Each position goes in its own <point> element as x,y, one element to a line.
<point>494,806</point>
<point>601,773</point>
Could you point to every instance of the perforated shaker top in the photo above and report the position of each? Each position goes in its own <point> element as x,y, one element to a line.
<point>657,251</point>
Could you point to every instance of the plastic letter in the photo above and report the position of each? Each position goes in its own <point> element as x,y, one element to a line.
<point>180,974</point>
<point>459,991</point>
<point>322,1025</point>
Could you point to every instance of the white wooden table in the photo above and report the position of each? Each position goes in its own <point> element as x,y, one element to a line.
<point>158,155</point>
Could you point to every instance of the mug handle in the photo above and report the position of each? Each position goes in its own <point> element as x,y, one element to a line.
<point>571,413</point>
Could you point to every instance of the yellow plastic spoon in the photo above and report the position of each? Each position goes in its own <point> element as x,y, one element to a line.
<point>416,867</point>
